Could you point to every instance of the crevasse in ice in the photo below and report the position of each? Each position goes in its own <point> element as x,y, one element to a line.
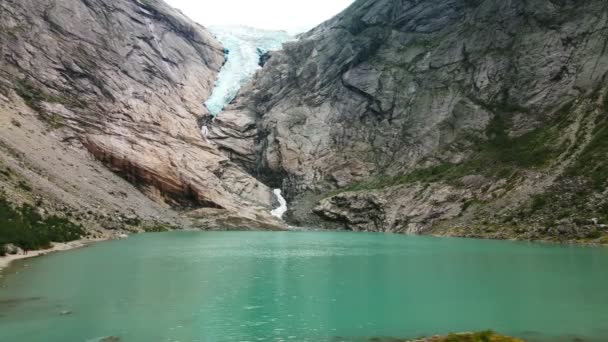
<point>244,46</point>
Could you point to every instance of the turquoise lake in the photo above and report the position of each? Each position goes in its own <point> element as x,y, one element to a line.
<point>305,286</point>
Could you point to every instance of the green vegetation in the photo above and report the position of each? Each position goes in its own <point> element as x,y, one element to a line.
<point>539,201</point>
<point>25,186</point>
<point>5,172</point>
<point>531,150</point>
<point>484,336</point>
<point>30,94</point>
<point>592,163</point>
<point>500,157</point>
<point>575,195</point>
<point>27,229</point>
<point>156,228</point>
<point>603,212</point>
<point>33,96</point>
<point>56,121</point>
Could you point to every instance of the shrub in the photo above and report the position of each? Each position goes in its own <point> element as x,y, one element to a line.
<point>24,186</point>
<point>591,163</point>
<point>484,336</point>
<point>539,201</point>
<point>27,229</point>
<point>499,157</point>
<point>156,228</point>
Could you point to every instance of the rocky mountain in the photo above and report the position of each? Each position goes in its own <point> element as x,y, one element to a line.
<point>459,117</point>
<point>100,102</point>
<point>479,118</point>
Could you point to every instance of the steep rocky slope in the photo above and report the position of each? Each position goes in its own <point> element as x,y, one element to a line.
<point>464,117</point>
<point>86,85</point>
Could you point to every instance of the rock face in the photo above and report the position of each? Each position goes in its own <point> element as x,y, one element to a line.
<point>387,83</point>
<point>417,208</point>
<point>124,80</point>
<point>465,88</point>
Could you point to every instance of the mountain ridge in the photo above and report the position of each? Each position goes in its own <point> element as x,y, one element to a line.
<point>444,117</point>
<point>118,83</point>
<point>475,118</point>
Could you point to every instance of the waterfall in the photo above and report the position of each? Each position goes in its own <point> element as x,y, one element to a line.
<point>282,209</point>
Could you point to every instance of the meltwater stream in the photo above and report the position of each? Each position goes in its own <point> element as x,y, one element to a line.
<point>305,286</point>
<point>282,209</point>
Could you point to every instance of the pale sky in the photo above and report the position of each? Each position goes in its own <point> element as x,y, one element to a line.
<point>289,15</point>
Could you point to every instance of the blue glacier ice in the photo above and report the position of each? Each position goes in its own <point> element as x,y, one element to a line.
<point>244,47</point>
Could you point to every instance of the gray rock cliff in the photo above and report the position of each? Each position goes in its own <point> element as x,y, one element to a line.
<point>124,82</point>
<point>392,94</point>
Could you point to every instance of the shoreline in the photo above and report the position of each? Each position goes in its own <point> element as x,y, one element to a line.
<point>7,260</point>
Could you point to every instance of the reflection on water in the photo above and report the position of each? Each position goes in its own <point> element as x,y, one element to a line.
<point>308,286</point>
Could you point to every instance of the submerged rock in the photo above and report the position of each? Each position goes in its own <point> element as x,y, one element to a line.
<point>106,339</point>
<point>110,339</point>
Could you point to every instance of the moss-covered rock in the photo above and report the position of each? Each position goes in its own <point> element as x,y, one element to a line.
<point>483,336</point>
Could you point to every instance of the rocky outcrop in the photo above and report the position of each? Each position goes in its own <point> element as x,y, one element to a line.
<point>417,208</point>
<point>388,84</point>
<point>462,88</point>
<point>126,81</point>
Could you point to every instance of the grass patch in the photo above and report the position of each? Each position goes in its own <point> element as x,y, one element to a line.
<point>156,228</point>
<point>603,212</point>
<point>5,172</point>
<point>539,201</point>
<point>531,150</point>
<point>25,186</point>
<point>27,229</point>
<point>592,163</point>
<point>484,336</point>
<point>501,156</point>
<point>29,93</point>
<point>34,96</point>
<point>56,121</point>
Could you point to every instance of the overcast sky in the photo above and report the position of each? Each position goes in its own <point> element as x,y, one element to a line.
<point>289,15</point>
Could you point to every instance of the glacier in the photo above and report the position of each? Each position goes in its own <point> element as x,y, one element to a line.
<point>244,46</point>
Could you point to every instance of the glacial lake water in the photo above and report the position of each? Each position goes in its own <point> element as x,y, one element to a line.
<point>305,286</point>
